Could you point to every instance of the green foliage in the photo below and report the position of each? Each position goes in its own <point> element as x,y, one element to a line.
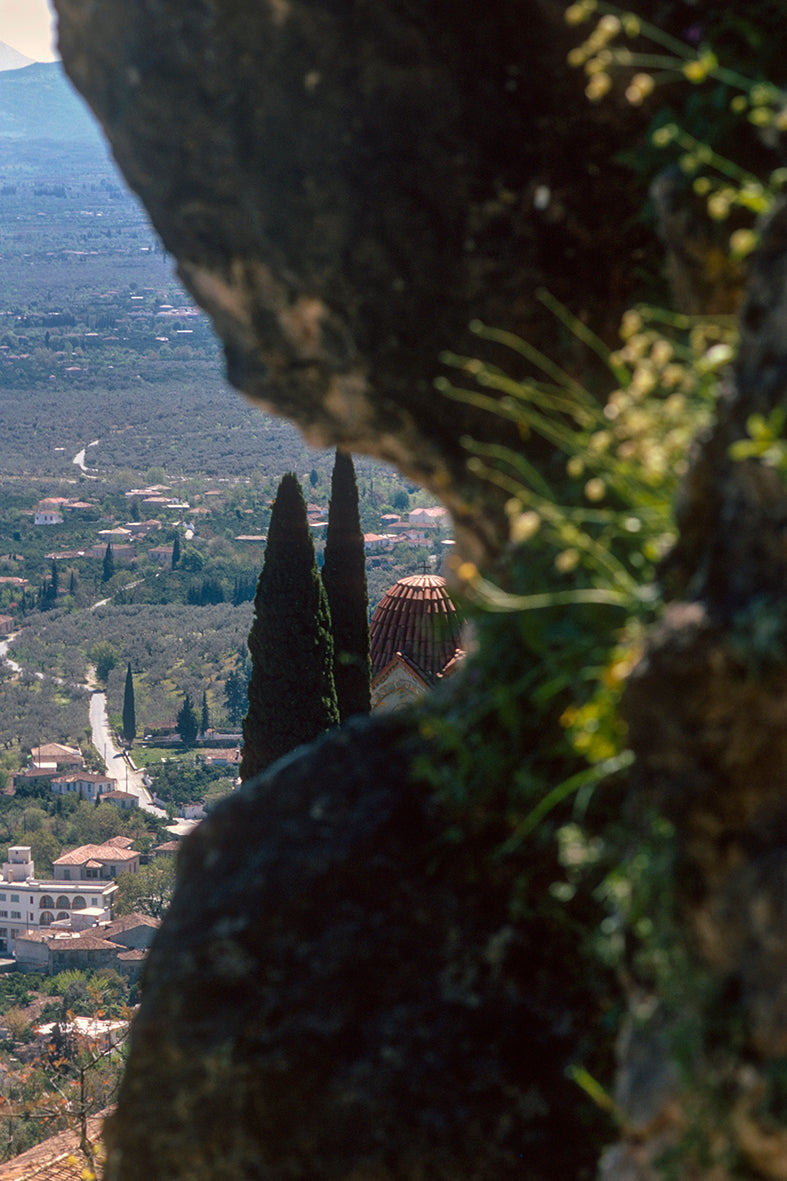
<point>344,578</point>
<point>235,696</point>
<point>173,648</point>
<point>606,521</point>
<point>765,442</point>
<point>65,822</point>
<point>104,657</point>
<point>32,707</point>
<point>184,781</point>
<point>108,566</point>
<point>129,711</point>
<point>292,696</point>
<point>16,989</point>
<point>728,70</point>
<point>531,765</point>
<point>149,891</point>
<point>187,721</point>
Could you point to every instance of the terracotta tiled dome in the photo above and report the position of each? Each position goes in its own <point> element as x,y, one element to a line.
<point>417,619</point>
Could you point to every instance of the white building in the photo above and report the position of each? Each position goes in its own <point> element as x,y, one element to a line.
<point>86,785</point>
<point>27,904</point>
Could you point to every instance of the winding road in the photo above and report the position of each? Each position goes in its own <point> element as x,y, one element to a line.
<point>79,460</point>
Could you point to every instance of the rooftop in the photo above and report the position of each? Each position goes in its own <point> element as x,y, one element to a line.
<point>57,1159</point>
<point>100,853</point>
<point>418,619</point>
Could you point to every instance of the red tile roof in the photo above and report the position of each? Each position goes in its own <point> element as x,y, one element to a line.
<point>100,853</point>
<point>57,1159</point>
<point>416,618</point>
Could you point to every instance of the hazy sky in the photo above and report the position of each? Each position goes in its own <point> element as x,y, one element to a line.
<point>28,25</point>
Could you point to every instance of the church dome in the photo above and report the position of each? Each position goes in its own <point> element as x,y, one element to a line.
<point>417,620</point>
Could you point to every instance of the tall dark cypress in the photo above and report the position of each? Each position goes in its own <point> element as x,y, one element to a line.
<point>108,568</point>
<point>292,697</point>
<point>129,709</point>
<point>344,576</point>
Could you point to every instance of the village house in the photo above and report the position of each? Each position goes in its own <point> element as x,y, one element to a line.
<point>193,811</point>
<point>61,1157</point>
<point>120,943</point>
<point>161,554</point>
<point>121,799</point>
<point>97,862</point>
<point>141,528</point>
<point>33,777</point>
<point>149,492</point>
<point>48,511</point>
<point>218,756</point>
<point>55,754</point>
<point>122,554</point>
<point>47,514</point>
<point>429,518</point>
<point>86,785</point>
<point>76,506</point>
<point>374,542</point>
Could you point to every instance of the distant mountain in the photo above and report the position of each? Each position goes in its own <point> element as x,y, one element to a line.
<point>38,103</point>
<point>12,59</point>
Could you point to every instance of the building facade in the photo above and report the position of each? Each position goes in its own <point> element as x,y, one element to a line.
<point>86,785</point>
<point>79,895</point>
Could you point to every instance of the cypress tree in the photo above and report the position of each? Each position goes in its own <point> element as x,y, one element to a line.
<point>205,716</point>
<point>129,711</point>
<point>292,697</point>
<point>109,564</point>
<point>187,721</point>
<point>235,697</point>
<point>344,576</point>
<point>175,551</point>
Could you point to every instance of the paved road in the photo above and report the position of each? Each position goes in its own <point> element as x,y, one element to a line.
<point>4,644</point>
<point>118,765</point>
<point>79,460</point>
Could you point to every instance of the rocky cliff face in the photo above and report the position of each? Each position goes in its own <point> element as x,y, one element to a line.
<point>345,186</point>
<point>330,997</point>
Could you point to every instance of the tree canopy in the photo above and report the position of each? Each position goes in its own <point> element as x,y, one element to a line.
<point>129,710</point>
<point>187,721</point>
<point>108,567</point>
<point>344,577</point>
<point>292,695</point>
